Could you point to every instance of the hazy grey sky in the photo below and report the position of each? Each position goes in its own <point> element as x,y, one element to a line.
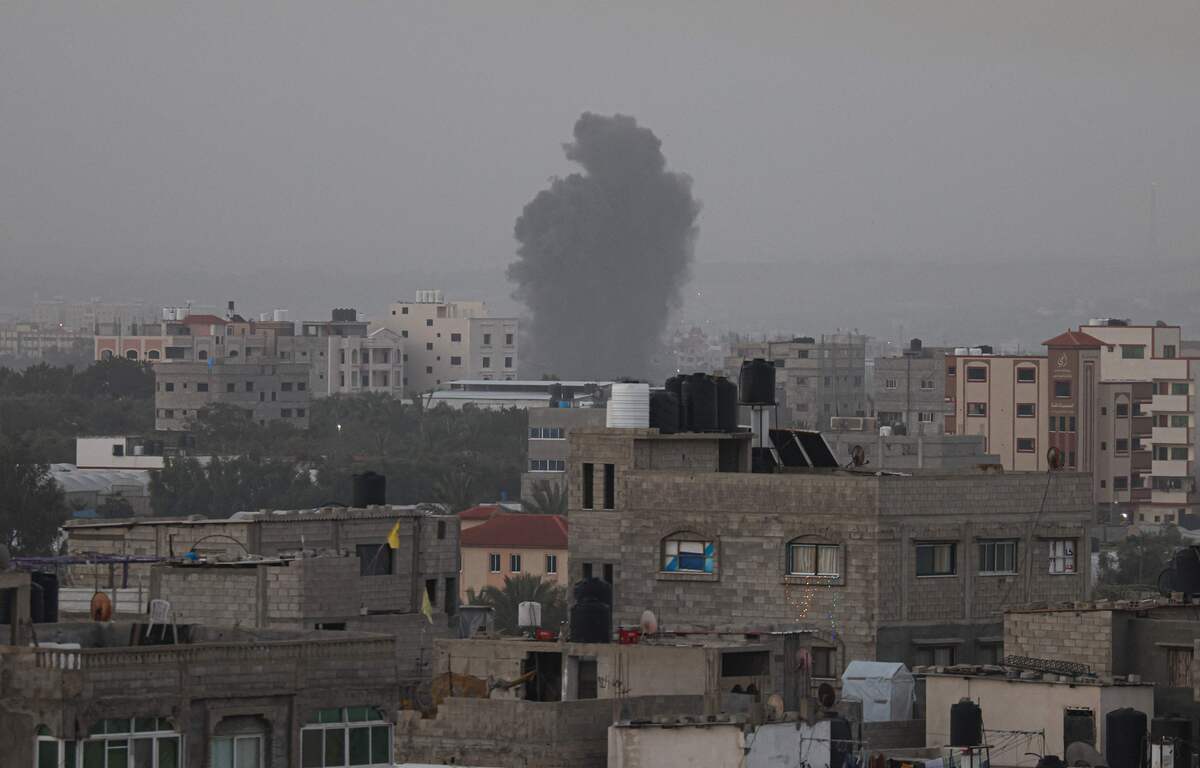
<point>381,136</point>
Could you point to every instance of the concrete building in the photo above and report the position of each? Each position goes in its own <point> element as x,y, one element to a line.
<point>119,452</point>
<point>549,430</point>
<point>93,316</point>
<point>30,341</point>
<point>447,340</point>
<point>518,393</point>
<point>910,390</point>
<point>903,452</point>
<point>815,379</point>
<point>1036,710</point>
<point>267,390</point>
<point>120,694</point>
<point>1127,400</point>
<point>1004,399</point>
<point>717,742</point>
<point>507,545</point>
<point>372,363</point>
<point>914,568</point>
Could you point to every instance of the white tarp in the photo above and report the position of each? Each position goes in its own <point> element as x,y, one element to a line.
<point>885,689</point>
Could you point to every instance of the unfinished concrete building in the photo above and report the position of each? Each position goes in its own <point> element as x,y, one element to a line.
<point>914,567</point>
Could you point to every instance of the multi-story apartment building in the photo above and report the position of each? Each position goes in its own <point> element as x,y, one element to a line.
<point>33,341</point>
<point>269,389</point>
<point>93,316</point>
<point>910,390</point>
<point>1002,398</point>
<point>447,340</point>
<point>915,568</point>
<point>815,380</point>
<point>1127,400</point>
<point>549,430</point>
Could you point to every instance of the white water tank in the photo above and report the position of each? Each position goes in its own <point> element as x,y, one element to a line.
<point>976,350</point>
<point>280,315</point>
<point>529,614</point>
<point>885,431</point>
<point>629,406</point>
<point>961,351</point>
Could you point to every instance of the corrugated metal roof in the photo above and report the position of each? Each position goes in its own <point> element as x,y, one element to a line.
<point>72,479</point>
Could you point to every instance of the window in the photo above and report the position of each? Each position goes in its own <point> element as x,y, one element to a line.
<point>1026,375</point>
<point>455,360</point>
<point>168,413</point>
<point>802,354</point>
<point>429,322</point>
<point>889,383</point>
<point>778,363</point>
<point>508,362</point>
<point>487,339</point>
<point>688,555</point>
<point>301,386</point>
<point>547,465</point>
<point>951,370</point>
<point>249,386</point>
<point>588,495</point>
<point>300,413</point>
<point>429,346</point>
<point>1120,483</point>
<point>1133,351</point>
<point>551,563</point>
<point>202,386</point>
<point>1026,445</point>
<point>118,450</point>
<point>1167,483</point>
<point>1026,410</point>
<point>429,368</point>
<point>926,384</point>
<point>1179,667</point>
<point>237,751</point>
<point>977,409</point>
<point>1122,445</point>
<point>230,387</point>
<point>404,334</point>
<point>822,663</point>
<point>514,563</point>
<point>1062,556</point>
<point>285,413</point>
<point>1071,424</point>
<point>403,311</point>
<point>487,362</point>
<point>976,373</point>
<point>937,559</point>
<point>456,337</point>
<point>202,354</point>
<point>285,386</point>
<point>431,591</point>
<point>494,562</point>
<point>1053,423</point>
<point>814,560</point>
<point>610,486</point>
<point>140,741</point>
<point>936,656</point>
<point>353,736</point>
<point>374,560</point>
<point>1179,388</point>
<point>169,386</point>
<point>1122,410</point>
<point>1062,423</point>
<point>997,557</point>
<point>508,339</point>
<point>546,433</point>
<point>1062,388</point>
<point>1168,351</point>
<point>925,417</point>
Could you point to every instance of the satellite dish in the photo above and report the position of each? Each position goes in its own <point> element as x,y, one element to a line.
<point>101,608</point>
<point>858,455</point>
<point>1054,458</point>
<point>649,623</point>
<point>826,695</point>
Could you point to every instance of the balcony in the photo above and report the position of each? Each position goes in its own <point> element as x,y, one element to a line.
<point>1170,436</point>
<point>1142,426</point>
<point>1170,468</point>
<point>1140,461</point>
<point>1169,404</point>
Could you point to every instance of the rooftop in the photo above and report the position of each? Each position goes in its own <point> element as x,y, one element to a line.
<point>506,529</point>
<point>277,515</point>
<point>1077,339</point>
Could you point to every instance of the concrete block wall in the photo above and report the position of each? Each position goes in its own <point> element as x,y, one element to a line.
<point>223,597</point>
<point>1085,637</point>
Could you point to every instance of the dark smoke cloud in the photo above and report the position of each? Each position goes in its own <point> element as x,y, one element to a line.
<point>603,254</point>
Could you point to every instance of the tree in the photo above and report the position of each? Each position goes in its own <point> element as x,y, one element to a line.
<point>522,588</point>
<point>1140,557</point>
<point>32,505</point>
<point>546,498</point>
<point>115,506</point>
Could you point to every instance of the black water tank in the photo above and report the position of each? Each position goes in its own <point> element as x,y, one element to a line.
<point>915,345</point>
<point>727,405</point>
<point>1175,730</point>
<point>1186,571</point>
<point>966,724</point>
<point>37,605</point>
<point>556,394</point>
<point>700,403</point>
<point>591,623</point>
<point>1125,738</point>
<point>593,590</point>
<point>664,411</point>
<point>370,488</point>
<point>839,741</point>
<point>49,584</point>
<point>756,382</point>
<point>674,385</point>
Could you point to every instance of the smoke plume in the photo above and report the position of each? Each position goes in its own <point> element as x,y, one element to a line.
<point>603,254</point>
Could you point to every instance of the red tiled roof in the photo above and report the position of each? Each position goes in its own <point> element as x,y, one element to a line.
<point>518,530</point>
<point>1074,339</point>
<point>479,512</point>
<point>204,320</point>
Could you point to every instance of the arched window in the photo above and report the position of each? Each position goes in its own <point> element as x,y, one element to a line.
<point>233,353</point>
<point>106,354</point>
<point>131,354</point>
<point>152,354</point>
<point>814,556</point>
<point>202,354</point>
<point>688,552</point>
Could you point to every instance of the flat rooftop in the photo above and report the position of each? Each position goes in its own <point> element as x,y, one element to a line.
<point>390,511</point>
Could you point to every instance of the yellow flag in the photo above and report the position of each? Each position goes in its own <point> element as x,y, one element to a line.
<point>393,539</point>
<point>426,606</point>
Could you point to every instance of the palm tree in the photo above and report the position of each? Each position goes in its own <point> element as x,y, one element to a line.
<point>546,498</point>
<point>522,588</point>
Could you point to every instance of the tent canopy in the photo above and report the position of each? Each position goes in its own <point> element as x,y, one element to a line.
<point>885,689</point>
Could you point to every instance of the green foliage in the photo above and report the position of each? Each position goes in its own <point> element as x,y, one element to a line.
<point>1139,558</point>
<point>227,485</point>
<point>518,589</point>
<point>115,506</point>
<point>32,505</point>
<point>546,498</point>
